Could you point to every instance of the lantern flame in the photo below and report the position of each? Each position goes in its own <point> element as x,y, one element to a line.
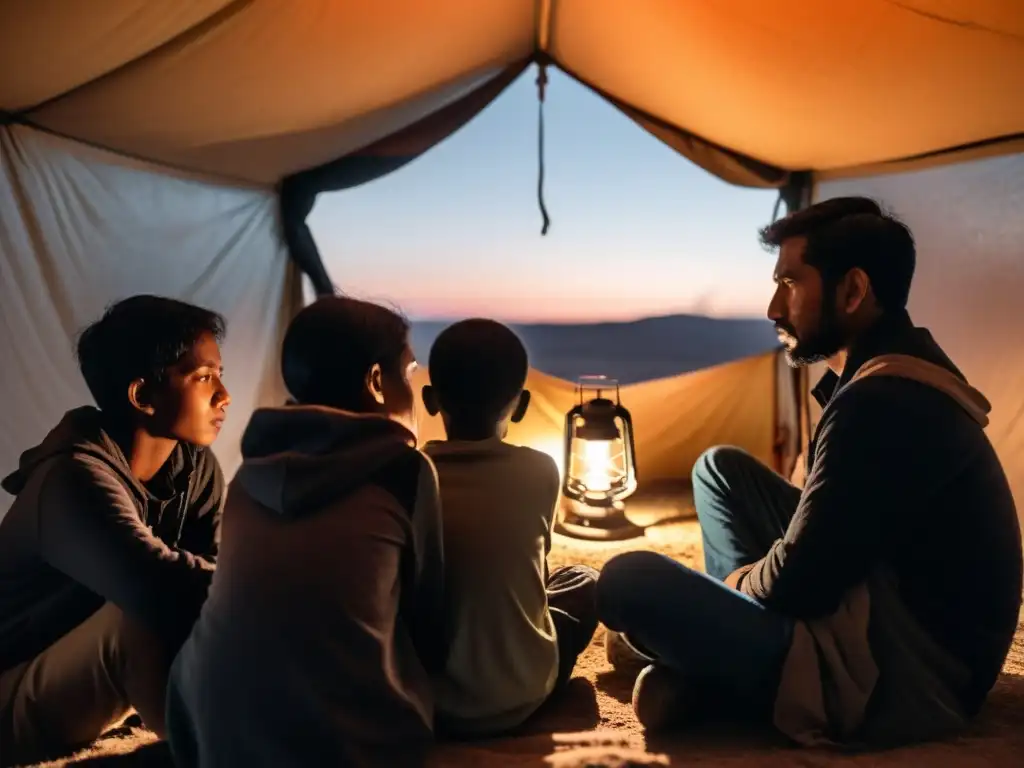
<point>598,467</point>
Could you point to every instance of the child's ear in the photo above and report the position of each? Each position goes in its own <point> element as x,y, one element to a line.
<point>521,406</point>
<point>138,397</point>
<point>430,400</point>
<point>375,383</point>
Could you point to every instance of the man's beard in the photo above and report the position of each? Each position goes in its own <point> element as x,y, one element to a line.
<point>817,345</point>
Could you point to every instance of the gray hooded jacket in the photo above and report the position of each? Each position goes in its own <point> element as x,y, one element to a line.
<point>322,624</point>
<point>83,531</point>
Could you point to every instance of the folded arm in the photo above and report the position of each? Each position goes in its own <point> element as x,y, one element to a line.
<point>864,465</point>
<point>90,529</point>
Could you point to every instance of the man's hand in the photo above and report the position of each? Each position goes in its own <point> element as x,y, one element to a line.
<point>735,578</point>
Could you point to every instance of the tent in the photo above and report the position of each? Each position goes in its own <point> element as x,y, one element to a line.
<point>177,147</point>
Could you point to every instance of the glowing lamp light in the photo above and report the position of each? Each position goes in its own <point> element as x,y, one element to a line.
<point>600,464</point>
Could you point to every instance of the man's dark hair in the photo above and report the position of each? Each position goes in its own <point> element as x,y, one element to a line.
<point>850,232</point>
<point>477,366</point>
<point>331,345</point>
<point>141,337</point>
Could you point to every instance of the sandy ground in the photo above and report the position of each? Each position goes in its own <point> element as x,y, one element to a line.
<point>591,725</point>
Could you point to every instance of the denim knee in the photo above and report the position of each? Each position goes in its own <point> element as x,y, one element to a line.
<point>712,475</point>
<point>715,463</point>
<point>624,579</point>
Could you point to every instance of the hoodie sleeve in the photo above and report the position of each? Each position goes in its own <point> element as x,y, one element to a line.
<point>866,463</point>
<point>425,618</point>
<point>200,535</point>
<point>89,528</point>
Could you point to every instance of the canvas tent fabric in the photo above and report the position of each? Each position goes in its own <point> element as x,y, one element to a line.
<point>80,228</point>
<point>261,89</point>
<point>968,219</point>
<point>177,146</point>
<point>312,96</point>
<point>675,419</point>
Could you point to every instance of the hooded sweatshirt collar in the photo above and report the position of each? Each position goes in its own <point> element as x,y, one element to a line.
<point>894,346</point>
<point>296,458</point>
<point>84,431</point>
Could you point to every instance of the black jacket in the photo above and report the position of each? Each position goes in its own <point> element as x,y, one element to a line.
<point>901,473</point>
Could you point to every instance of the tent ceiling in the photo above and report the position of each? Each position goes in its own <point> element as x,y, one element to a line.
<point>259,89</point>
<point>806,84</point>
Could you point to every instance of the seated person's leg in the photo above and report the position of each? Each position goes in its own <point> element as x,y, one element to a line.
<point>571,599</point>
<point>83,684</point>
<point>743,506</point>
<point>724,644</point>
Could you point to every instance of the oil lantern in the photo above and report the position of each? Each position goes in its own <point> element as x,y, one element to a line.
<point>600,463</point>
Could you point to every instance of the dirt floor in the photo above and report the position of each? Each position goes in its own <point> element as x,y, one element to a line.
<point>592,724</point>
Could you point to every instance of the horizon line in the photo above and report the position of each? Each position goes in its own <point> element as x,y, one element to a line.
<point>625,320</point>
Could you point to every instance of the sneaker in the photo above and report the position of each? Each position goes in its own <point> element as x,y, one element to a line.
<point>622,654</point>
<point>659,699</point>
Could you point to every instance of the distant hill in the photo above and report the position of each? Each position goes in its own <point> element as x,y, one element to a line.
<point>629,351</point>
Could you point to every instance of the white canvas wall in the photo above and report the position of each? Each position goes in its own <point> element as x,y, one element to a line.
<point>968,220</point>
<point>81,228</point>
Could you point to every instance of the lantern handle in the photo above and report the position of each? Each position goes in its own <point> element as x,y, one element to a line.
<point>595,382</point>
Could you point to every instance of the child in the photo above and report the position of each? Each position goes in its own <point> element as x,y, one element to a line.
<point>321,628</point>
<point>516,633</point>
<point>107,552</point>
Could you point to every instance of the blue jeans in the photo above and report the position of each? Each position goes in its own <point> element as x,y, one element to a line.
<point>728,645</point>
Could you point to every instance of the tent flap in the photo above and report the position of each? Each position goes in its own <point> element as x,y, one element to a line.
<point>727,165</point>
<point>299,191</point>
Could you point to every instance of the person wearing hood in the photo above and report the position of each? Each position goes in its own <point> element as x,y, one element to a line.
<point>874,606</point>
<point>323,623</point>
<point>107,551</point>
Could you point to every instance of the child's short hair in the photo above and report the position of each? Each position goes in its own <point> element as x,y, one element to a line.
<point>477,368</point>
<point>141,337</point>
<point>331,345</point>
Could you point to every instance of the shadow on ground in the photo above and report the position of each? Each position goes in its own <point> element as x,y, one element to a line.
<point>591,724</point>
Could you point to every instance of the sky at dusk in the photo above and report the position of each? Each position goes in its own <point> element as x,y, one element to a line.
<point>636,229</point>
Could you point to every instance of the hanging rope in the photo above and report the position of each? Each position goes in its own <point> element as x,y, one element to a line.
<point>542,82</point>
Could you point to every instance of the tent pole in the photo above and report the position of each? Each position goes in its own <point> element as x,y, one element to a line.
<point>795,194</point>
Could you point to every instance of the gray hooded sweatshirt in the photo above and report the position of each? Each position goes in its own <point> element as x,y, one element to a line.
<point>321,628</point>
<point>82,531</point>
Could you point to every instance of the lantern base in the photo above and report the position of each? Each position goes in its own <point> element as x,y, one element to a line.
<point>604,523</point>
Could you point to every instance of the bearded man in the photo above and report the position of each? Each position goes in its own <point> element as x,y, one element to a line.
<point>834,611</point>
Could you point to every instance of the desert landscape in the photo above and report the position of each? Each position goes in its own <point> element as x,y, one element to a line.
<point>631,352</point>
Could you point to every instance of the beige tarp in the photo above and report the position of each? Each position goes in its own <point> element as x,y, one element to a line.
<point>968,289</point>
<point>675,419</point>
<point>258,89</point>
